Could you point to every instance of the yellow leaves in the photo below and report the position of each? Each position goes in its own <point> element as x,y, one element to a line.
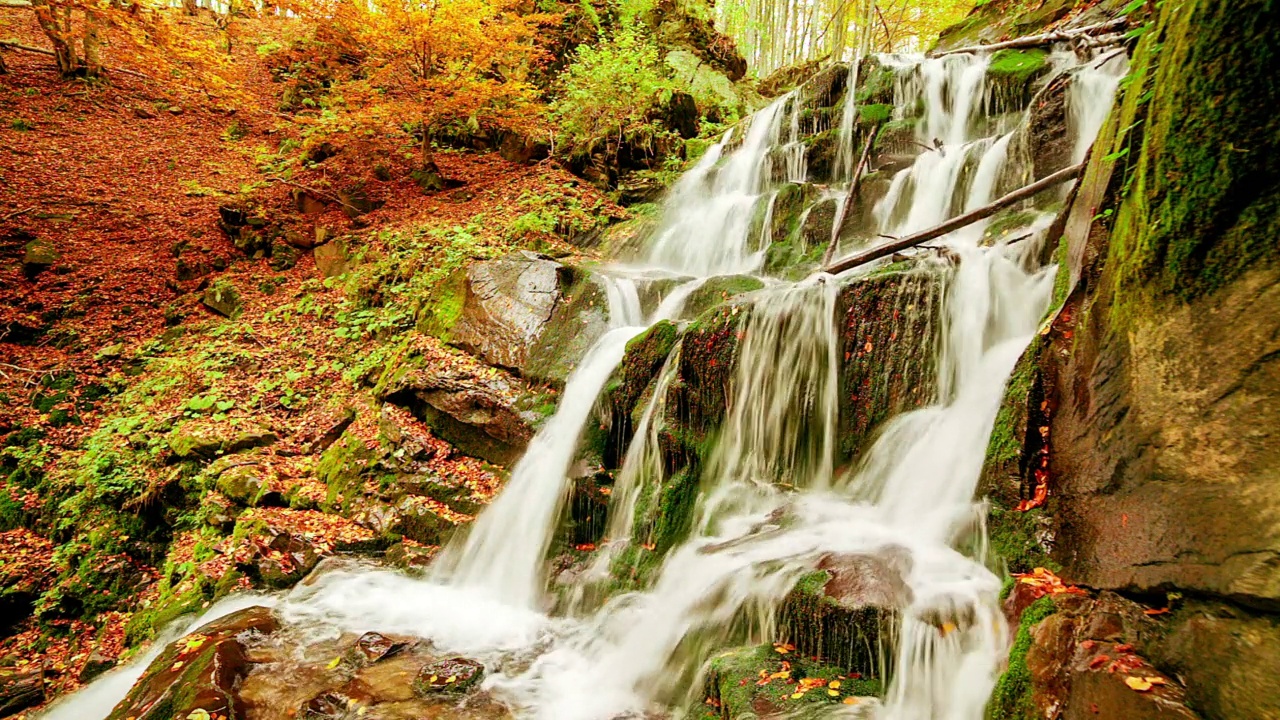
<point>334,663</point>
<point>783,648</point>
<point>1044,582</point>
<point>193,643</point>
<point>1143,684</point>
<point>176,666</point>
<point>834,684</point>
<point>833,693</point>
<point>851,700</point>
<point>947,628</point>
<point>451,679</point>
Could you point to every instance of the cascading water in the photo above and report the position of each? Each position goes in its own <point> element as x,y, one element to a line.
<point>771,504</point>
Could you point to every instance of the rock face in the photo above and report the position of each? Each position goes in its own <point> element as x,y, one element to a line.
<point>508,302</point>
<point>525,313</point>
<point>1158,385</point>
<point>474,407</point>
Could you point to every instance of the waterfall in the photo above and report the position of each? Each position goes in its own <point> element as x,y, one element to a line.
<point>771,503</point>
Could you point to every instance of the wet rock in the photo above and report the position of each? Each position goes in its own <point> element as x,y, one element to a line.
<point>638,187</point>
<point>1048,135</point>
<point>888,334</point>
<point>356,201</point>
<point>456,675</point>
<point>199,672</point>
<point>372,647</point>
<point>719,290</point>
<point>20,689</point>
<point>772,682</point>
<point>246,484</point>
<point>38,256</point>
<point>425,522</point>
<point>223,298</point>
<point>840,612</point>
<point>307,202</point>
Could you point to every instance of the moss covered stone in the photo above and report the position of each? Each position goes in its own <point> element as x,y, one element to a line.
<point>1011,699</point>
<point>718,290</point>
<point>1011,74</point>
<point>751,682</point>
<point>888,334</point>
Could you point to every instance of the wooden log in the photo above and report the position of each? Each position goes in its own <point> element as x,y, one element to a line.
<point>955,223</point>
<point>853,193</point>
<point>1042,39</point>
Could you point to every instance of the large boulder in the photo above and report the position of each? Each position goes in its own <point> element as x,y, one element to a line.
<point>476,408</point>
<point>507,304</point>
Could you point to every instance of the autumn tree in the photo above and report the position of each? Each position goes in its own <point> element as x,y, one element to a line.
<point>429,65</point>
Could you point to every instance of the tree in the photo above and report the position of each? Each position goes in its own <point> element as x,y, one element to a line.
<point>428,65</point>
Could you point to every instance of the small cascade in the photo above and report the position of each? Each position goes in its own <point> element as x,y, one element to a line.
<point>1089,99</point>
<point>706,226</point>
<point>769,501</point>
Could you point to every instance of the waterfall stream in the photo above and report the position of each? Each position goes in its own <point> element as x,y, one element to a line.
<point>772,501</point>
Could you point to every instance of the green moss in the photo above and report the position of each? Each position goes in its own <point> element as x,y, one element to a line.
<point>872,115</point>
<point>1018,65</point>
<point>442,307</point>
<point>1011,699</point>
<point>718,290</point>
<point>1201,202</point>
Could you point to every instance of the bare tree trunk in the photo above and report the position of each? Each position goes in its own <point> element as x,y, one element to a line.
<point>92,45</point>
<point>3,69</point>
<point>189,7</point>
<point>64,52</point>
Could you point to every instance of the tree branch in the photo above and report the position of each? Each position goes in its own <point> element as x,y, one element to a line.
<point>1043,39</point>
<point>853,192</point>
<point>955,223</point>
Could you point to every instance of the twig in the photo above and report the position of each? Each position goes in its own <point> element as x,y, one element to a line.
<point>957,222</point>
<point>16,213</point>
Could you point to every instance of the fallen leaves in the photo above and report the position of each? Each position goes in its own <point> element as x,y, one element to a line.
<point>1143,684</point>
<point>1044,582</point>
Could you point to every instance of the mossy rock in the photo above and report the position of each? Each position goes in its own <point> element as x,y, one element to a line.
<point>453,676</point>
<point>875,83</point>
<point>577,322</point>
<point>889,335</point>
<point>439,311</point>
<point>645,355</point>
<point>718,290</point>
<point>1011,74</point>
<point>752,682</point>
<point>223,298</point>
<point>1011,699</point>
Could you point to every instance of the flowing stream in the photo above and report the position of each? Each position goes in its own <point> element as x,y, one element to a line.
<point>772,503</point>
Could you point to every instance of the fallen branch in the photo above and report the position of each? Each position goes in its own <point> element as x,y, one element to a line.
<point>318,193</point>
<point>955,223</point>
<point>853,193</point>
<point>41,51</point>
<point>16,213</point>
<point>1043,39</point>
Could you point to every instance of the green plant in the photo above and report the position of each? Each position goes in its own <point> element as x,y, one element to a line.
<point>20,125</point>
<point>609,92</point>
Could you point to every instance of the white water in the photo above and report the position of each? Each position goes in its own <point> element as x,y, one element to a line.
<point>1089,98</point>
<point>772,502</point>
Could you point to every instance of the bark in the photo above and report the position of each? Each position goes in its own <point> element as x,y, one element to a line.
<point>955,223</point>
<point>189,7</point>
<point>92,45</point>
<point>3,68</point>
<point>1044,39</point>
<point>50,53</point>
<point>64,52</point>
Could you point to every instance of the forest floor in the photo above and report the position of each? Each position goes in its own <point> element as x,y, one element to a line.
<point>124,180</point>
